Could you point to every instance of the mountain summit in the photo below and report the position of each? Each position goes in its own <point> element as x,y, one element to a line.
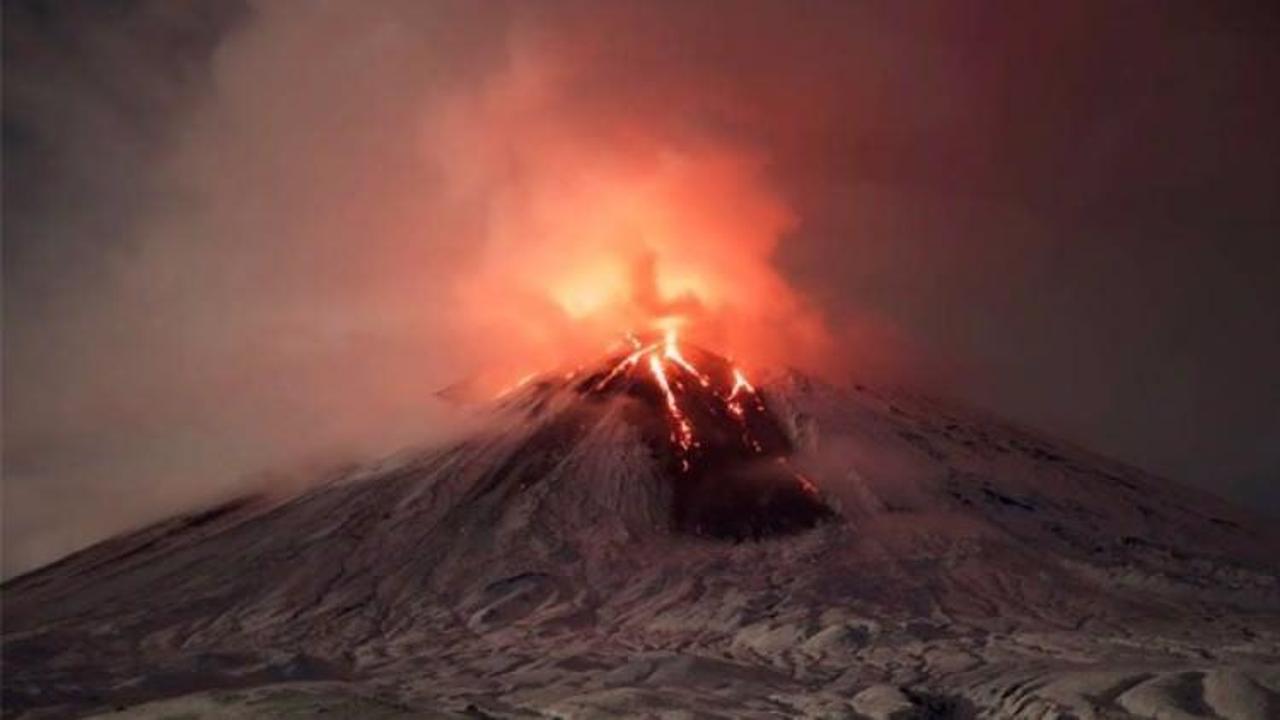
<point>655,534</point>
<point>722,454</point>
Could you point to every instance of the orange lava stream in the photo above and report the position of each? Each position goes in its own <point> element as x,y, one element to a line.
<point>627,363</point>
<point>671,350</point>
<point>661,357</point>
<point>740,383</point>
<point>683,430</point>
<point>664,356</point>
<point>805,483</point>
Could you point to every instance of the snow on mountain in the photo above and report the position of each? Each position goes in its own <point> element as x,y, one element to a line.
<point>802,551</point>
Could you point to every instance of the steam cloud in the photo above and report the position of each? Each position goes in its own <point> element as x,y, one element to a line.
<point>262,238</point>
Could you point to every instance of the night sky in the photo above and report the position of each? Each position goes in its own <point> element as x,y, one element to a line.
<point>236,238</point>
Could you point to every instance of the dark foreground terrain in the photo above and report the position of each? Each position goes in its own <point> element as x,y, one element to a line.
<point>925,562</point>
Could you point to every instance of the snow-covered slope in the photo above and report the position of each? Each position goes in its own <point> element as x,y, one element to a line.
<point>816,552</point>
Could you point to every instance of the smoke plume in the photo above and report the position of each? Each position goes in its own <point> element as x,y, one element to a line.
<point>247,240</point>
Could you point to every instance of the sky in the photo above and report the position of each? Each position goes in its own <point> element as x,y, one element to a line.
<point>243,243</point>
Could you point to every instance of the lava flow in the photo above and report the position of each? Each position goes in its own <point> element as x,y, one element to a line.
<point>672,372</point>
<point>728,452</point>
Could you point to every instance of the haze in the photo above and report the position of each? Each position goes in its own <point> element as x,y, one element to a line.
<point>246,243</point>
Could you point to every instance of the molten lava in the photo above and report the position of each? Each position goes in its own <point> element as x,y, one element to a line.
<point>728,453</point>
<point>673,372</point>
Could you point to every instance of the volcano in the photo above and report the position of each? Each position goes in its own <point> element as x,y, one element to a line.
<point>724,453</point>
<point>656,536</point>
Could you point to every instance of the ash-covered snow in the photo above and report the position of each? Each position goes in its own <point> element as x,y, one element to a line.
<point>965,567</point>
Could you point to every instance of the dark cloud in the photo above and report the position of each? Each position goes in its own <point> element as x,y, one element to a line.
<point>234,236</point>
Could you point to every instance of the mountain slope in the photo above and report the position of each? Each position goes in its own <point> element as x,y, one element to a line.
<point>802,550</point>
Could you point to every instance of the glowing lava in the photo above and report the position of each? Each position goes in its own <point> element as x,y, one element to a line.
<point>741,386</point>
<point>671,351</point>
<point>674,375</point>
<point>740,383</point>
<point>727,454</point>
<point>682,431</point>
<point>660,357</point>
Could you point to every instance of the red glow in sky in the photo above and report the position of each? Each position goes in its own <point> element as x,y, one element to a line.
<point>589,237</point>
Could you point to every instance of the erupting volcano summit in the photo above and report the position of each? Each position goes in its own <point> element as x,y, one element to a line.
<point>888,555</point>
<point>725,451</point>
